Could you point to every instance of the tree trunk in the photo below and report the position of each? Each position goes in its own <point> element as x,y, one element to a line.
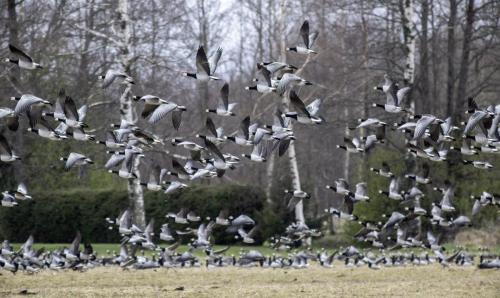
<point>463,74</point>
<point>451,57</point>
<point>409,39</point>
<point>424,62</point>
<point>127,112</point>
<point>294,168</point>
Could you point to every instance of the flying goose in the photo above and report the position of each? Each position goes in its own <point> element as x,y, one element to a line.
<point>224,108</point>
<point>155,179</point>
<point>268,85</point>
<point>289,80</point>
<point>166,234</point>
<point>341,214</point>
<point>111,141</point>
<point>111,75</point>
<point>217,136</point>
<point>44,130</point>
<point>275,67</point>
<point>242,137</point>
<point>162,110</point>
<point>22,59</point>
<point>126,171</point>
<point>361,193</point>
<point>178,170</point>
<point>248,237</point>
<point>423,123</point>
<point>259,153</point>
<point>341,187</point>
<point>393,192</point>
<point>394,97</point>
<point>308,40</point>
<point>8,200</point>
<point>26,101</point>
<point>6,152</point>
<point>203,233</point>
<point>295,196</point>
<point>303,114</point>
<point>223,218</point>
<point>478,164</point>
<point>75,159</point>
<point>353,145</point>
<point>205,68</point>
<point>219,160</point>
<point>21,192</point>
<point>173,186</point>
<point>384,171</point>
<point>370,122</point>
<point>424,178</point>
<point>393,220</point>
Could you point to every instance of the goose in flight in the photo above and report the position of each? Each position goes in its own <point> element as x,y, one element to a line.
<point>307,38</point>
<point>393,192</point>
<point>303,114</point>
<point>288,80</point>
<point>217,136</point>
<point>242,137</point>
<point>27,101</point>
<point>22,59</point>
<point>394,97</point>
<point>6,152</point>
<point>205,68</point>
<point>384,171</point>
<point>268,85</point>
<point>259,153</point>
<point>224,108</point>
<point>111,75</point>
<point>75,159</point>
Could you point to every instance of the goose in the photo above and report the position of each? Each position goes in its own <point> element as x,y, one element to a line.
<point>26,101</point>
<point>22,59</point>
<point>125,170</point>
<point>241,220</point>
<point>163,109</point>
<point>461,221</point>
<point>393,192</point>
<point>384,171</point>
<point>341,187</point>
<point>217,136</point>
<point>79,134</point>
<point>295,196</point>
<point>219,160</point>
<point>342,215</point>
<point>8,200</point>
<point>361,193</point>
<point>268,87</point>
<point>224,108</point>
<point>308,40</point>
<point>303,114</point>
<point>447,129</point>
<point>166,234</point>
<point>259,153</point>
<point>424,179</point>
<point>494,264</point>
<point>242,137</point>
<point>148,235</point>
<point>42,128</point>
<point>394,97</point>
<point>111,141</point>
<point>174,186</point>
<point>474,119</point>
<point>445,204</point>
<point>21,192</point>
<point>111,75</point>
<point>466,148</point>
<point>484,165</point>
<point>75,159</point>
<point>6,152</point>
<point>289,80</point>
<point>393,220</point>
<point>155,178</point>
<point>275,67</point>
<point>180,217</point>
<point>72,117</point>
<point>351,145</point>
<point>192,217</point>
<point>179,171</point>
<point>203,233</point>
<point>370,122</point>
<point>247,237</point>
<point>223,219</point>
<point>423,123</point>
<point>205,68</point>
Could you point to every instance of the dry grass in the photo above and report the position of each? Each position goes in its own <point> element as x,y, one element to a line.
<point>426,281</point>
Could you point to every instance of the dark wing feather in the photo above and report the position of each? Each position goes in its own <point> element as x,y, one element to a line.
<point>176,118</point>
<point>304,32</point>
<point>211,126</point>
<point>148,109</point>
<point>297,103</point>
<point>245,124</point>
<point>16,51</point>
<point>224,94</point>
<point>202,61</point>
<point>69,108</point>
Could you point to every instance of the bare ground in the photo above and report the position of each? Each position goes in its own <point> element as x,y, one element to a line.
<point>425,281</point>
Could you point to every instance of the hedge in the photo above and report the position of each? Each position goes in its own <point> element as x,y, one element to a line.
<point>54,217</point>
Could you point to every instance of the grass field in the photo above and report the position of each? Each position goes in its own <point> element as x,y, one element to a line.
<point>425,281</point>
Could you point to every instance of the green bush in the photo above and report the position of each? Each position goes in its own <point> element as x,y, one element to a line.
<point>54,217</point>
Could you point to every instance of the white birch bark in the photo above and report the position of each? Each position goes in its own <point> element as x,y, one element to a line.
<point>409,31</point>
<point>294,169</point>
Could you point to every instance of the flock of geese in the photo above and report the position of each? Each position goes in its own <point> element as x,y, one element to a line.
<point>427,138</point>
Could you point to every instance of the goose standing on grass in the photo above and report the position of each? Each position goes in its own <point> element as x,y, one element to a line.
<point>22,59</point>
<point>75,159</point>
<point>111,75</point>
<point>224,108</point>
<point>394,97</point>
<point>6,152</point>
<point>205,68</point>
<point>307,38</point>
